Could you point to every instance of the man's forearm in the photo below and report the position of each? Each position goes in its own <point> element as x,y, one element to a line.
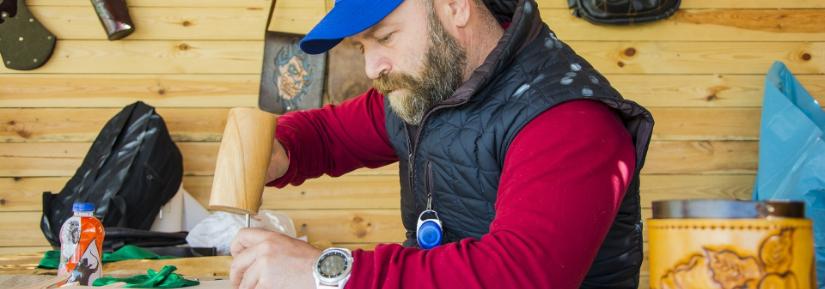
<point>278,162</point>
<point>332,140</point>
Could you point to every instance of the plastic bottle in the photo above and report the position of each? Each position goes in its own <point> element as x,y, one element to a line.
<point>81,246</point>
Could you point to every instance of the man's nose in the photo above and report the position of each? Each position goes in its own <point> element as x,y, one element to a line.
<point>375,65</point>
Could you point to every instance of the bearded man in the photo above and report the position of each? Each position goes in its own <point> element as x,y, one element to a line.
<point>519,163</point>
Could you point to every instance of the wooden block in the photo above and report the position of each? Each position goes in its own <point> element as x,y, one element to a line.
<point>242,161</point>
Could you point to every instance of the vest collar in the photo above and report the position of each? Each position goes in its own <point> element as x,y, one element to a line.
<point>524,28</point>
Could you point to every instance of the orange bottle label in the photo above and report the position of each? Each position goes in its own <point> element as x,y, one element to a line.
<point>82,249</point>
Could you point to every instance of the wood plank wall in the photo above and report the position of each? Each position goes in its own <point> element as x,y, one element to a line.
<point>699,72</point>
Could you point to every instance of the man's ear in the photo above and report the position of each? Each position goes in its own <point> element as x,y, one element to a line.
<point>458,11</point>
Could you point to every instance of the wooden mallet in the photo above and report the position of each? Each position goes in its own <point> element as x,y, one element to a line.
<point>242,162</point>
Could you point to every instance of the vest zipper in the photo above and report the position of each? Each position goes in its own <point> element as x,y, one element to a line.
<point>413,146</point>
<point>428,179</point>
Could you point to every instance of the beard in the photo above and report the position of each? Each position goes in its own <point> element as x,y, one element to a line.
<point>412,96</point>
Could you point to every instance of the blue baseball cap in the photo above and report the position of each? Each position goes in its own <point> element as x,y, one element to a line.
<point>347,18</point>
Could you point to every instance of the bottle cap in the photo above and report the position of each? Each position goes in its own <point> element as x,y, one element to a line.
<point>83,207</point>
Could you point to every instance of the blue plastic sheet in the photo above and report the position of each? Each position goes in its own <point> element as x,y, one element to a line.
<point>792,152</point>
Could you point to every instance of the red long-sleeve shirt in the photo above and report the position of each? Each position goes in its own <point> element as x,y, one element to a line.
<point>563,180</point>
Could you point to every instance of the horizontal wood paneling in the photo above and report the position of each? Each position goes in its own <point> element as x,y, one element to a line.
<point>703,4</point>
<point>206,124</point>
<point>337,226</point>
<point>83,125</point>
<point>102,90</point>
<point>690,4</point>
<point>251,4</point>
<point>190,23</point>
<point>229,90</point>
<point>612,57</point>
<point>8,251</point>
<point>700,72</point>
<point>715,90</point>
<point>62,159</point>
<point>700,25</point>
<point>152,56</point>
<point>665,157</point>
<point>642,57</point>
<point>725,24</point>
<point>376,191</point>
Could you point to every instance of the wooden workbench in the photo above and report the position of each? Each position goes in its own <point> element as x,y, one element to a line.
<point>19,271</point>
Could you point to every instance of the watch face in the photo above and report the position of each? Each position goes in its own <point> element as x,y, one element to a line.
<point>333,265</point>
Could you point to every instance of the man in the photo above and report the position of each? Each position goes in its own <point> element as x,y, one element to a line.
<point>527,155</point>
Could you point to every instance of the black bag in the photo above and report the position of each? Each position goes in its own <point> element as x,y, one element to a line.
<point>132,169</point>
<point>117,237</point>
<point>623,11</point>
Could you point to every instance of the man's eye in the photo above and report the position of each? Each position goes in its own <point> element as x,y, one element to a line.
<point>384,39</point>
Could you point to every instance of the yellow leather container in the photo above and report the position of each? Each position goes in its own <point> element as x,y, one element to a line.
<point>714,244</point>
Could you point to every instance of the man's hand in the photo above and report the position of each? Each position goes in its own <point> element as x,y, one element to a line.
<point>269,260</point>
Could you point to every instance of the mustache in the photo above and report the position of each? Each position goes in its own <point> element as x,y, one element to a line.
<point>386,83</point>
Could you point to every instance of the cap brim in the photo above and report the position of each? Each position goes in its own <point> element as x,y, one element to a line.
<point>347,18</point>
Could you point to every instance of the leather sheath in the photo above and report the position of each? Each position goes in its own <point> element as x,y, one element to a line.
<point>25,44</point>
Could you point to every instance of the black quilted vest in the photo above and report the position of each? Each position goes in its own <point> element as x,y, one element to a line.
<point>458,151</point>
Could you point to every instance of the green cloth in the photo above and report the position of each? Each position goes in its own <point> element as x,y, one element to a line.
<point>51,259</point>
<point>160,279</point>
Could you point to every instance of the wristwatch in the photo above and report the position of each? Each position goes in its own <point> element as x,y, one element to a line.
<point>333,268</point>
